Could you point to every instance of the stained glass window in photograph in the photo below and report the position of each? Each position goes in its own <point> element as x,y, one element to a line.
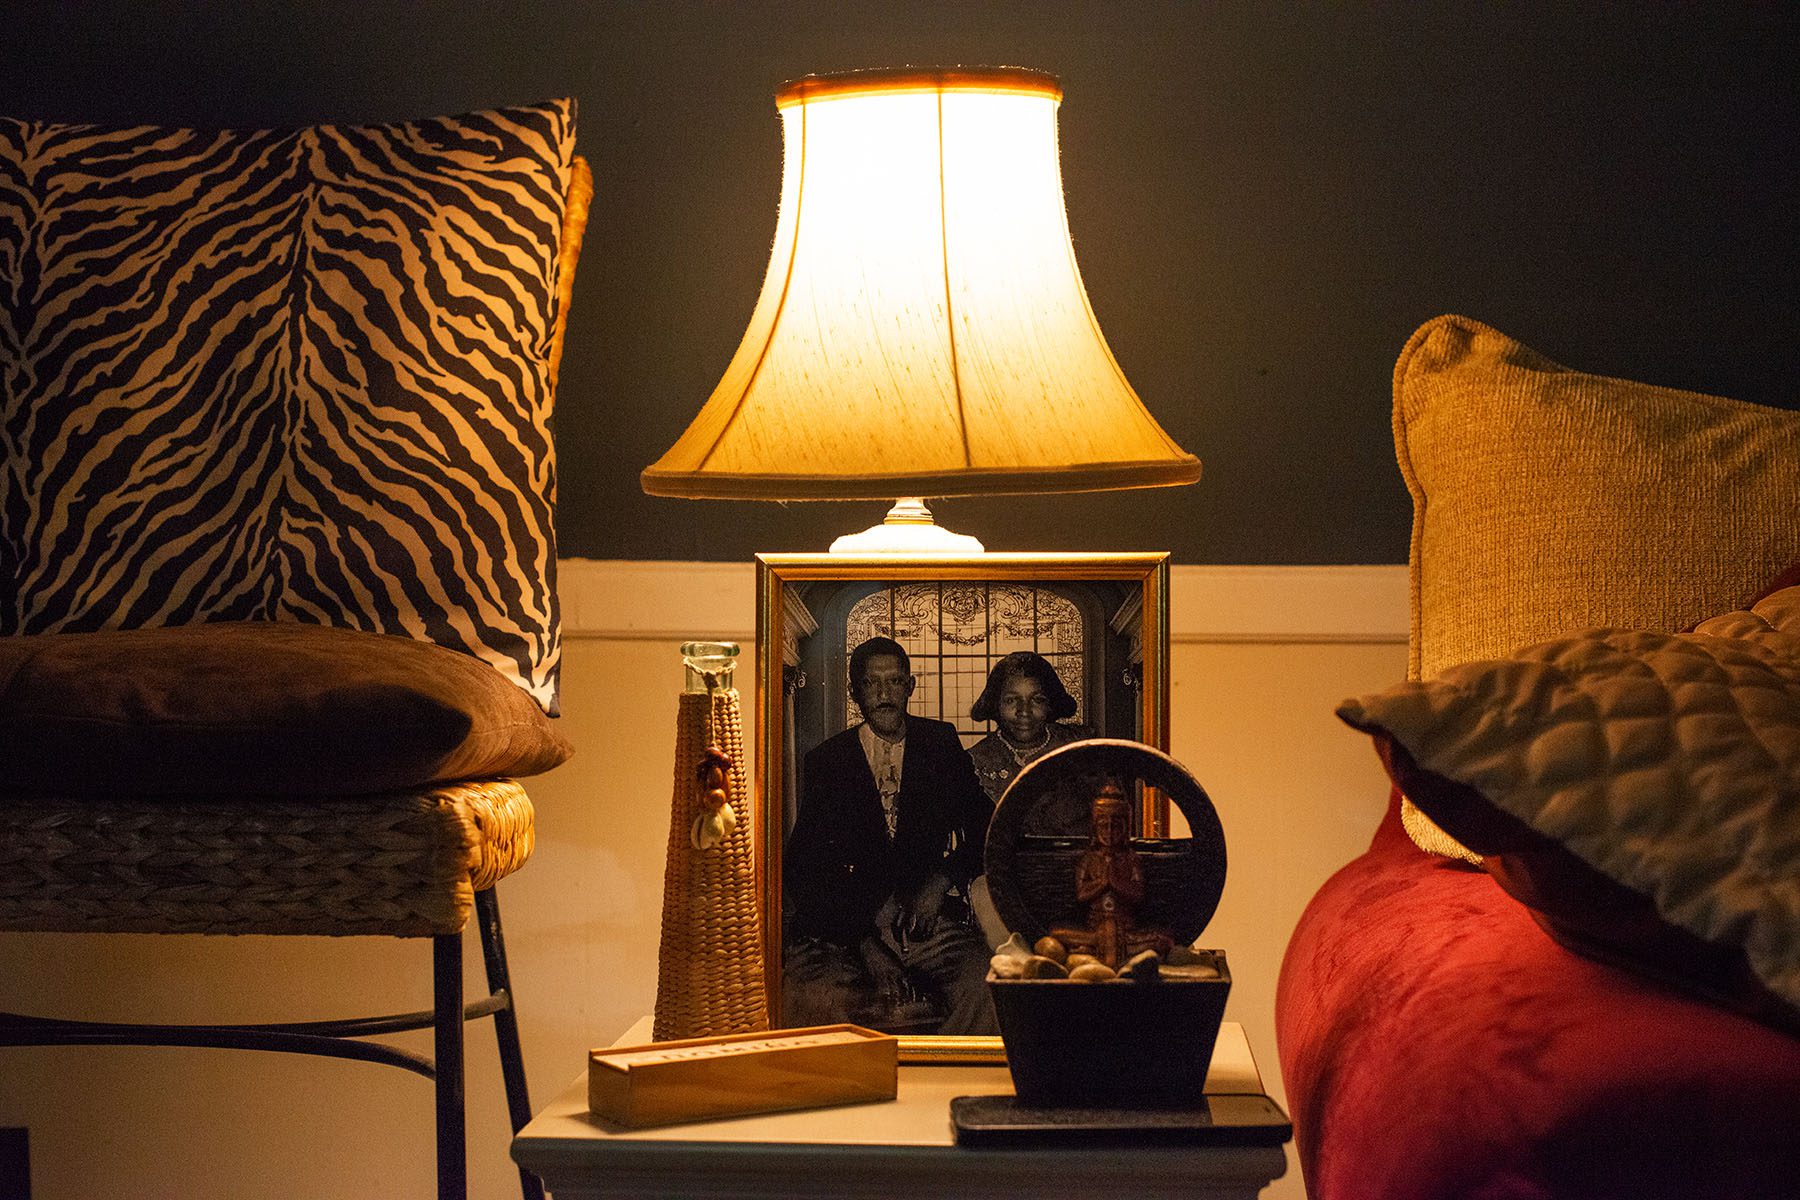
<point>956,631</point>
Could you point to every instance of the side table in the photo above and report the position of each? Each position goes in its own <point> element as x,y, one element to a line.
<point>902,1147</point>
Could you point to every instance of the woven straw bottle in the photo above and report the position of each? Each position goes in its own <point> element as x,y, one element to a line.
<point>709,977</point>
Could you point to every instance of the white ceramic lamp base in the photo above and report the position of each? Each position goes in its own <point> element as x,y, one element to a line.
<point>907,530</point>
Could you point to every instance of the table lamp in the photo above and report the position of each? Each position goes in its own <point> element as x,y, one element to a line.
<point>922,329</point>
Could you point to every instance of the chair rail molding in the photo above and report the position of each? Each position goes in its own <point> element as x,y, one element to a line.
<point>673,601</point>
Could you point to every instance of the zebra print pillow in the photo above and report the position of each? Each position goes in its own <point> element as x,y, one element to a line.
<point>299,375</point>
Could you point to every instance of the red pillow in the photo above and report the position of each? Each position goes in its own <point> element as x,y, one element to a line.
<point>1787,579</point>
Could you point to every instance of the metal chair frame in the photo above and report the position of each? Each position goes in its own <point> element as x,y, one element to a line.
<point>346,1038</point>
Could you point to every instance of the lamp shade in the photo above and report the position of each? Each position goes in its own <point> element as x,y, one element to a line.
<point>923,329</point>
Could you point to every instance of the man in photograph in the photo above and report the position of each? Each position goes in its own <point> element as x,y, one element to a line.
<point>877,871</point>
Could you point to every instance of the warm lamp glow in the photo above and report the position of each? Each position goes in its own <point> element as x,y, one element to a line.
<point>923,329</point>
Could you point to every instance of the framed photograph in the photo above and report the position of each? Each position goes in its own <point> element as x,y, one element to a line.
<point>897,699</point>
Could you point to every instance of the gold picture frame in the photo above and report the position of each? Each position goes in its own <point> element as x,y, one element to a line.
<point>1101,619</point>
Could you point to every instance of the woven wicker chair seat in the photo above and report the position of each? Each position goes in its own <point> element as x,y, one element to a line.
<point>403,864</point>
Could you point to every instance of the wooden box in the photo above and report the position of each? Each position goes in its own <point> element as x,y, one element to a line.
<point>700,1078</point>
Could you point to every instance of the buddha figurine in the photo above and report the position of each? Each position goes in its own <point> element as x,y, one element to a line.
<point>1109,880</point>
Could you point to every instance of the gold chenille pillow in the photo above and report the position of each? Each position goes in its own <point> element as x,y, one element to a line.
<point>1546,500</point>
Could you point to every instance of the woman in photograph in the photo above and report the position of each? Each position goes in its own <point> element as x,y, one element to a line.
<point>1028,704</point>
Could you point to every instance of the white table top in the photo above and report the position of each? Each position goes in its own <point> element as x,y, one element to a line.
<point>896,1147</point>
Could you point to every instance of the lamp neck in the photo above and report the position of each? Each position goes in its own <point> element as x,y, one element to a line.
<point>908,530</point>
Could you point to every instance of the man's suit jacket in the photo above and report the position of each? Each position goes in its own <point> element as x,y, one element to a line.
<point>839,866</point>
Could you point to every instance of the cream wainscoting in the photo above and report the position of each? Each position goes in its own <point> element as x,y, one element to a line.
<point>634,600</point>
<point>1260,656</point>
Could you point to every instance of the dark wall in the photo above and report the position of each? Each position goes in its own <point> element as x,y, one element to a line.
<point>1266,199</point>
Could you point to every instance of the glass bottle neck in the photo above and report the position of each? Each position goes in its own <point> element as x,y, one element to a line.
<point>703,659</point>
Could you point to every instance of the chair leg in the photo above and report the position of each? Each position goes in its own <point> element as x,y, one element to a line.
<point>506,1027</point>
<point>447,989</point>
<point>348,1039</point>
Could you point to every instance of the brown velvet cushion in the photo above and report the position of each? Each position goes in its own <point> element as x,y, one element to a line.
<point>259,708</point>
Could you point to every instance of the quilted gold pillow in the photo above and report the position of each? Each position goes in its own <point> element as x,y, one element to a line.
<point>1546,500</point>
<point>1640,791</point>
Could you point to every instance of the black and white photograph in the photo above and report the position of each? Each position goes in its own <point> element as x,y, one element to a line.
<point>909,697</point>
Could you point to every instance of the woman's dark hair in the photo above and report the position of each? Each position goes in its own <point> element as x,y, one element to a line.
<point>859,658</point>
<point>1034,667</point>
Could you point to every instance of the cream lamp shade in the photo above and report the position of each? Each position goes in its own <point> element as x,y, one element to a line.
<point>922,329</point>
